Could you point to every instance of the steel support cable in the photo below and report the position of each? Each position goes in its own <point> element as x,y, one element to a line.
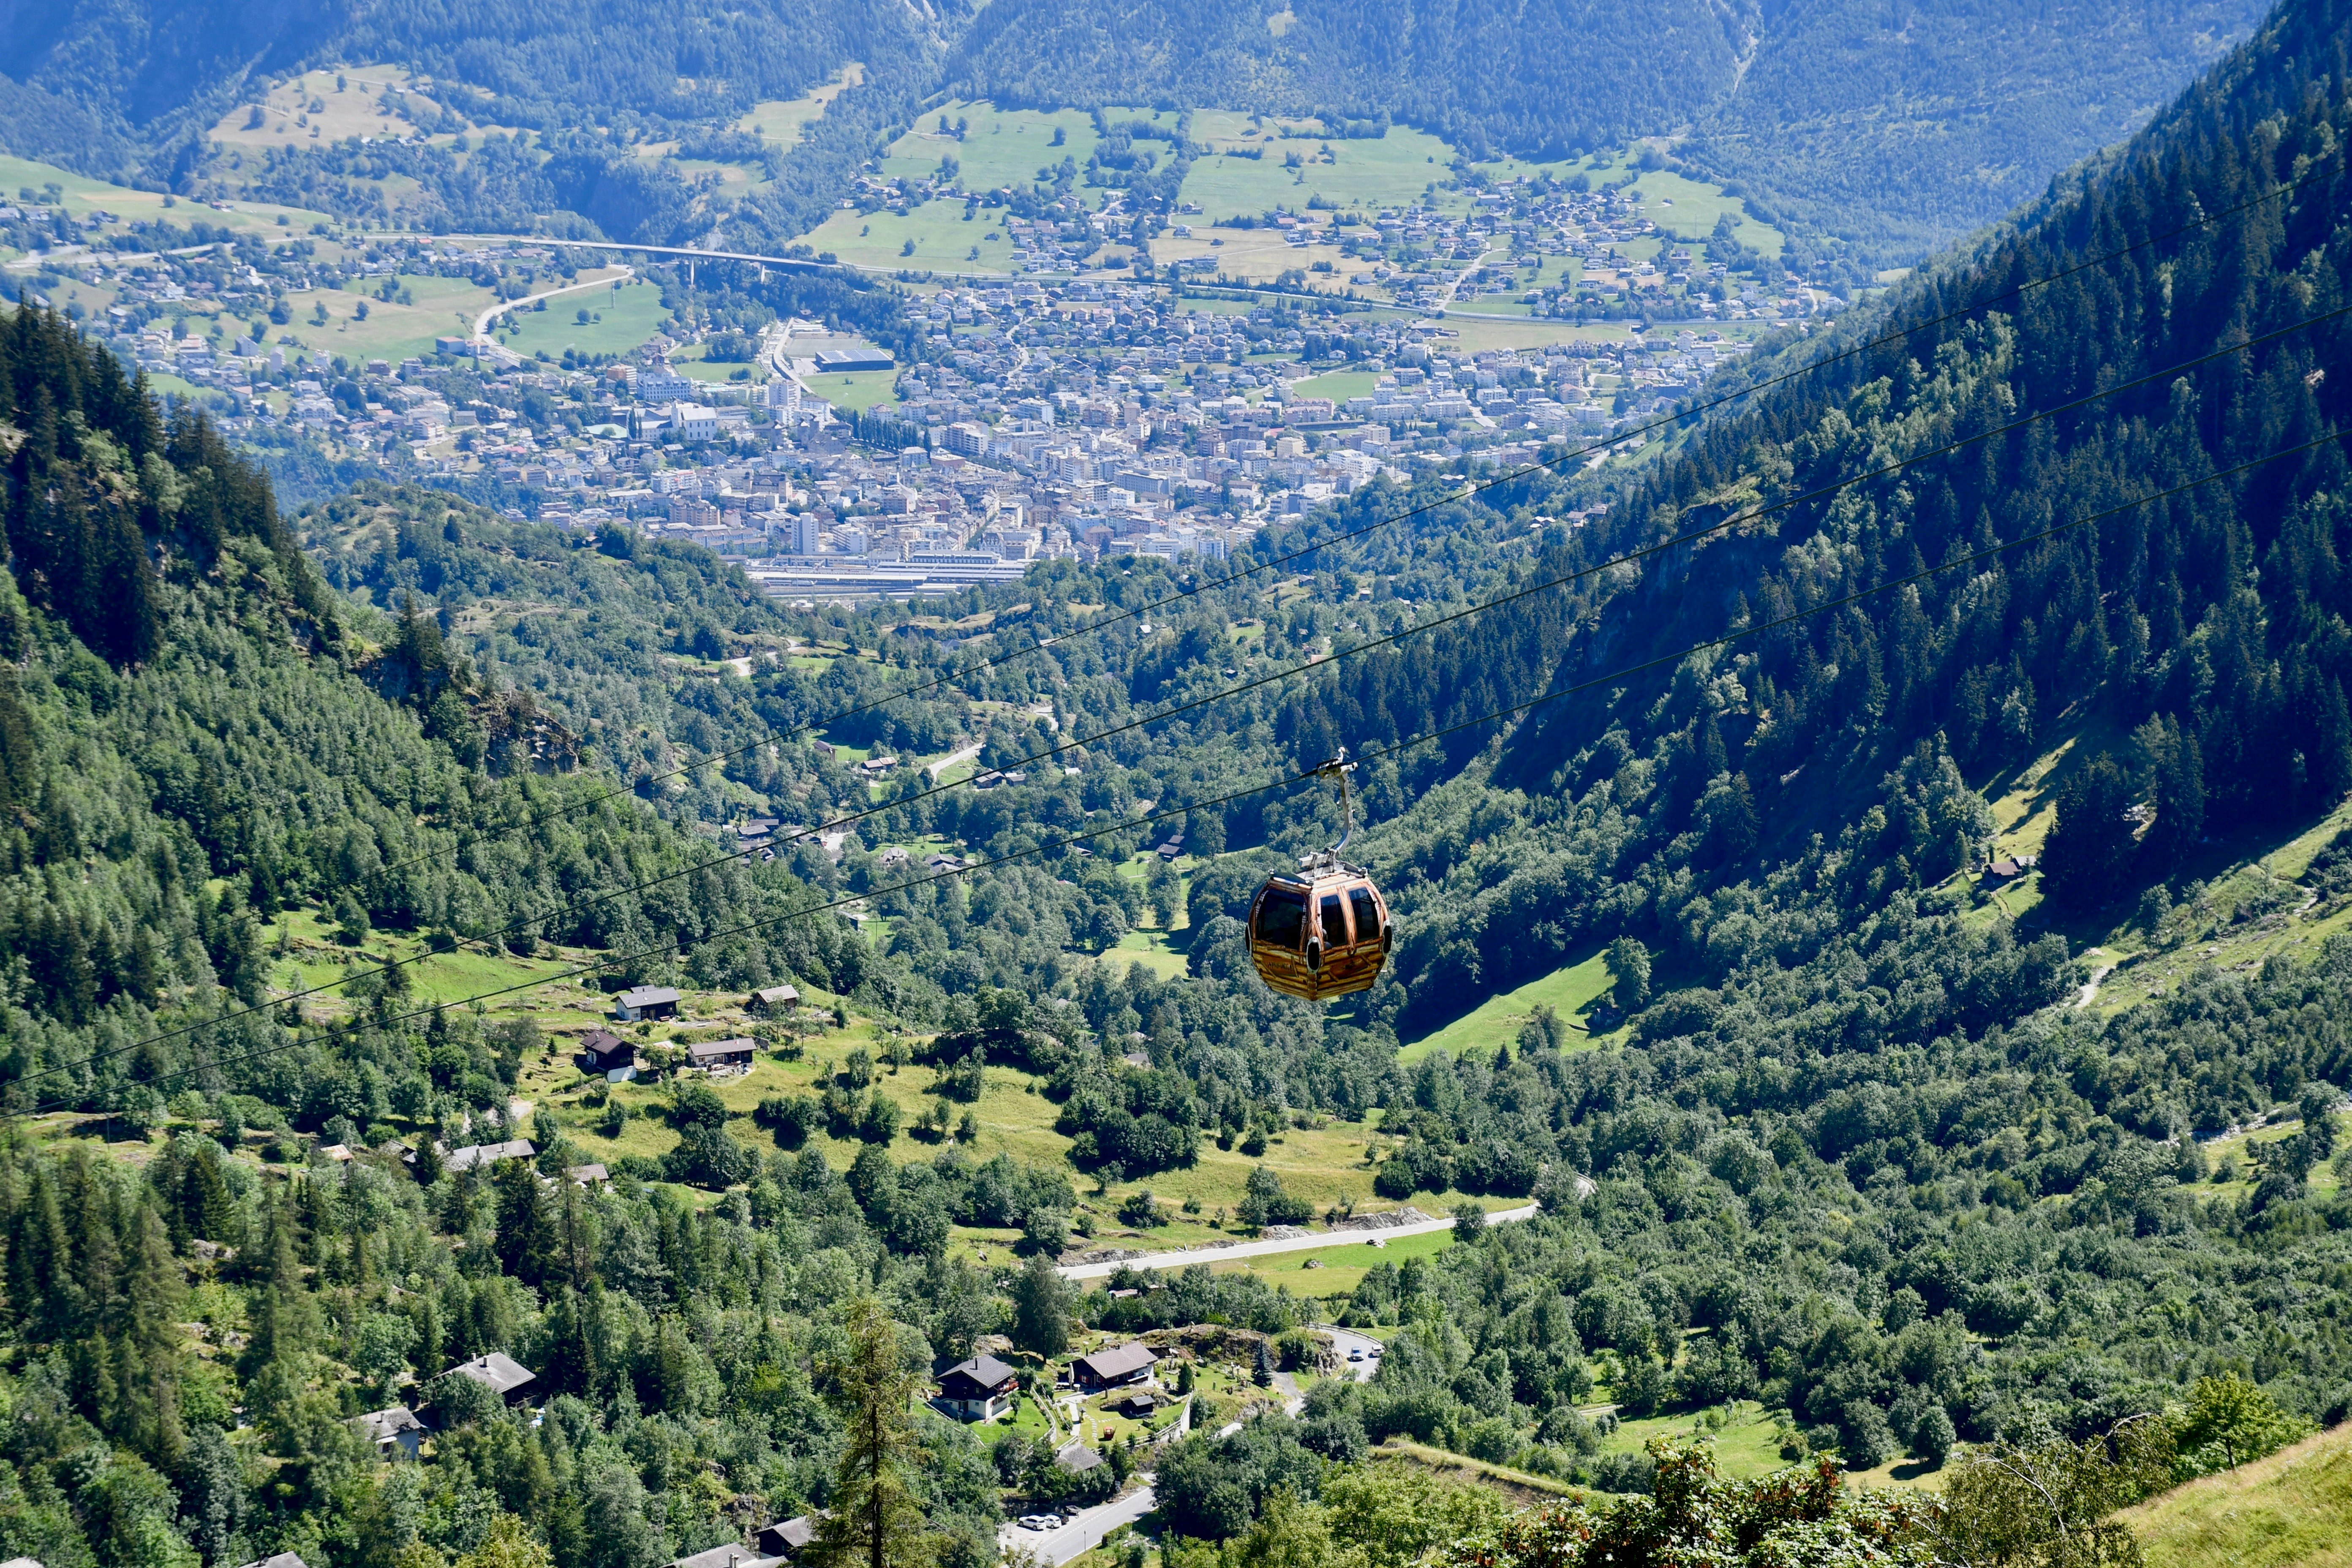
<point>1160,715</point>
<point>1376,753</point>
<point>1473,488</point>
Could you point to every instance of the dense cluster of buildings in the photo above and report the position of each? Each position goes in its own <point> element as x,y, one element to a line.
<point>1040,417</point>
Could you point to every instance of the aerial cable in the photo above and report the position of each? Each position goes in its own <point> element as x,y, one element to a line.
<point>1162,714</point>
<point>1313,773</point>
<point>1470,489</point>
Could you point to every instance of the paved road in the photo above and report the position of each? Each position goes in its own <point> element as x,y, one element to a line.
<point>1350,1340</point>
<point>482,323</point>
<point>965,755</point>
<point>1191,1254</point>
<point>1083,1533</point>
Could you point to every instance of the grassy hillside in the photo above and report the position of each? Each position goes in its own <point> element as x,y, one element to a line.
<point>2293,1510</point>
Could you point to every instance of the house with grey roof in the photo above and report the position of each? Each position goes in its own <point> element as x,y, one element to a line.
<point>500,1373</point>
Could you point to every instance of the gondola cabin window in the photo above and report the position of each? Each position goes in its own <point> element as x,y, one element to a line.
<point>1282,919</point>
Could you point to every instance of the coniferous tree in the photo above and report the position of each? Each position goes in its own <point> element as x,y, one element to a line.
<point>2090,849</point>
<point>875,1519</point>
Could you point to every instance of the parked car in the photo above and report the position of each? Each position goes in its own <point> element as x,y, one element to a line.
<point>1355,1355</point>
<point>1041,1522</point>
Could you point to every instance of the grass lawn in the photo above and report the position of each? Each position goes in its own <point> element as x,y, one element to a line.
<point>1390,171</point>
<point>1571,992</point>
<point>719,371</point>
<point>943,241</point>
<point>2293,1508</point>
<point>1000,146</point>
<point>859,389</point>
<point>1520,1485</point>
<point>355,109</point>
<point>1688,210</point>
<point>1151,948</point>
<point>164,385</point>
<point>1490,305</point>
<point>312,958</point>
<point>788,120</point>
<point>1474,337</point>
<point>1339,386</point>
<point>1342,1267</point>
<point>84,195</point>
<point>1749,1445</point>
<point>619,322</point>
<point>443,307</point>
<point>1258,256</point>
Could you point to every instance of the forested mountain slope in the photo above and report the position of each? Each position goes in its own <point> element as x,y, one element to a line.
<point>190,723</point>
<point>128,91</point>
<point>632,645</point>
<point>1904,127</point>
<point>1845,1151</point>
<point>1897,128</point>
<point>2201,624</point>
<point>1530,77</point>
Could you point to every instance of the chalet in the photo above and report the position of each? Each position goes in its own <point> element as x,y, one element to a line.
<point>1136,1406</point>
<point>589,1176</point>
<point>396,1432</point>
<point>725,1557</point>
<point>646,1001</point>
<point>499,1372</point>
<point>721,1056</point>
<point>1130,1363</point>
<point>283,1560</point>
<point>771,1001</point>
<point>474,1156</point>
<point>980,1389</point>
<point>786,1538</point>
<point>603,1051</point>
<point>1077,1459</point>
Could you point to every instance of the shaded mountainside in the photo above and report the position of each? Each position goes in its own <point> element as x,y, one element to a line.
<point>1897,128</point>
<point>1903,127</point>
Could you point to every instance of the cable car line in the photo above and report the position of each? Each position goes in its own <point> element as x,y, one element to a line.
<point>1160,715</point>
<point>1381,753</point>
<point>1473,489</point>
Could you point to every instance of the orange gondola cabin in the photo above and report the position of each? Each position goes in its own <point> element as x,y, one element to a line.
<point>1324,929</point>
<point>1321,933</point>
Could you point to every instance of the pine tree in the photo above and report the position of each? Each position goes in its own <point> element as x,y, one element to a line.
<point>875,1521</point>
<point>2091,843</point>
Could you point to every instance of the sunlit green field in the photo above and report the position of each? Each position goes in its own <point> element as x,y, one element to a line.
<point>1000,146</point>
<point>788,120</point>
<point>943,241</point>
<point>629,316</point>
<point>1394,170</point>
<point>1569,992</point>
